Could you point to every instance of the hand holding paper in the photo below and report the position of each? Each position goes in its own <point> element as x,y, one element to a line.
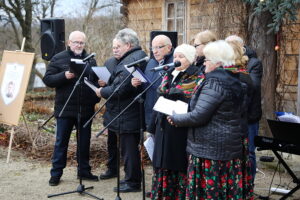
<point>102,73</point>
<point>168,106</point>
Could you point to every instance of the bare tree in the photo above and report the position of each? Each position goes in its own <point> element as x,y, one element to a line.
<point>19,14</point>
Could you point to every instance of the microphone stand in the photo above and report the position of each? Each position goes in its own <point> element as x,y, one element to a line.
<point>112,94</point>
<point>81,188</point>
<point>138,97</point>
<point>132,102</point>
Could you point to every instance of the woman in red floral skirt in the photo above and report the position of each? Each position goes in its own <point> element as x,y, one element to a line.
<point>215,136</point>
<point>170,157</point>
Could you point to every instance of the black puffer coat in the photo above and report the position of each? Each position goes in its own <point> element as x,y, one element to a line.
<point>255,69</point>
<point>215,118</point>
<point>130,119</point>
<point>55,78</point>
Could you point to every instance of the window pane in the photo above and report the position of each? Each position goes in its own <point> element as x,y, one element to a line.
<point>180,9</point>
<point>179,25</point>
<point>171,10</point>
<point>180,39</point>
<point>170,25</point>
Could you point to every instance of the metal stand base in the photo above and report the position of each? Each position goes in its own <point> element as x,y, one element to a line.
<point>80,189</point>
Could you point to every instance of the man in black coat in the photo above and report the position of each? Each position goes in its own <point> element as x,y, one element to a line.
<point>163,54</point>
<point>126,46</point>
<point>81,107</point>
<point>255,70</point>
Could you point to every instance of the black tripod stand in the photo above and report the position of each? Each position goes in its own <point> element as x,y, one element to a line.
<point>81,189</point>
<point>140,100</point>
<point>115,92</point>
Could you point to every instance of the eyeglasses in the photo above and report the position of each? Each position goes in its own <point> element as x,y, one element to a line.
<point>78,43</point>
<point>158,47</point>
<point>197,45</point>
<point>205,60</point>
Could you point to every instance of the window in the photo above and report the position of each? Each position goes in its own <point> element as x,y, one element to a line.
<point>175,18</point>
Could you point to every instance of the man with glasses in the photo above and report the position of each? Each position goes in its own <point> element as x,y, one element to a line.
<point>58,76</point>
<point>163,54</point>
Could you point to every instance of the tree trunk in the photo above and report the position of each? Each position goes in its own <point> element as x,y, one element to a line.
<point>26,29</point>
<point>263,43</point>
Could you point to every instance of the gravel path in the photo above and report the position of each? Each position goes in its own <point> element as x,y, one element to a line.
<point>25,179</point>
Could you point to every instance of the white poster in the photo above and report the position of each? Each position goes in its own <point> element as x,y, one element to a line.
<point>11,82</point>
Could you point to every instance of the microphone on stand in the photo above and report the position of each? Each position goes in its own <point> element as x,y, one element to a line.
<point>146,59</point>
<point>166,67</point>
<point>92,55</point>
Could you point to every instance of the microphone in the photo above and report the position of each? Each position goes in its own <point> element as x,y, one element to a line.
<point>166,67</point>
<point>89,57</point>
<point>137,62</point>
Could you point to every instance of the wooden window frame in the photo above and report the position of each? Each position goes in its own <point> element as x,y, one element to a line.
<point>165,20</point>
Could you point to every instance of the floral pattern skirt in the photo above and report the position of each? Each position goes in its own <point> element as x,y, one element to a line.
<point>213,179</point>
<point>168,185</point>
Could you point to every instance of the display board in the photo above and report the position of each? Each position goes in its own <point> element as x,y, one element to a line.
<point>14,76</point>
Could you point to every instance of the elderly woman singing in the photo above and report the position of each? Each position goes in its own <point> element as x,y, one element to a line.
<point>215,135</point>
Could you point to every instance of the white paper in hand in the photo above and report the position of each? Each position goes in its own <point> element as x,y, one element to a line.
<point>168,106</point>
<point>149,145</point>
<point>88,83</point>
<point>102,73</point>
<point>138,74</point>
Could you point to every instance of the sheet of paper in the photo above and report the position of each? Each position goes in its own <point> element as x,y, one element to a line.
<point>168,106</point>
<point>138,74</point>
<point>149,145</point>
<point>102,73</point>
<point>88,83</point>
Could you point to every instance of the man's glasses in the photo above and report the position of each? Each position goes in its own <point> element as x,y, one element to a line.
<point>78,43</point>
<point>158,47</point>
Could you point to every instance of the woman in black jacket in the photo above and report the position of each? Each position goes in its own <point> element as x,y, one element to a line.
<point>215,133</point>
<point>169,157</point>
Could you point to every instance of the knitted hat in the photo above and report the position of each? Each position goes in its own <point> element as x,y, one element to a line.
<point>188,51</point>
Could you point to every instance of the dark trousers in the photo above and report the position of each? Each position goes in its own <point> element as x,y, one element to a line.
<point>64,128</point>
<point>252,132</point>
<point>130,154</point>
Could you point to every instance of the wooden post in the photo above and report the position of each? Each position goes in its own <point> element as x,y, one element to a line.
<point>10,143</point>
<point>23,43</point>
<point>298,90</point>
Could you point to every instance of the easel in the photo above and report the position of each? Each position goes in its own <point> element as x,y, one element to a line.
<point>13,124</point>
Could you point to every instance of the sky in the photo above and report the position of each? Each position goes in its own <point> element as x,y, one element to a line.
<point>74,7</point>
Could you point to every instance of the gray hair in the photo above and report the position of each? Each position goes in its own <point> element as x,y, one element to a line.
<point>219,51</point>
<point>128,36</point>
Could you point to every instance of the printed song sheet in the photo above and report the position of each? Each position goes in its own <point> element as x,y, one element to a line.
<point>168,106</point>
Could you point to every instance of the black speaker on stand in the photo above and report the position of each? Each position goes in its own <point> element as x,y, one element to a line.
<point>52,37</point>
<point>171,34</point>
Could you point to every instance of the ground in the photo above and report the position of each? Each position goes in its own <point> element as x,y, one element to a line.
<point>27,179</point>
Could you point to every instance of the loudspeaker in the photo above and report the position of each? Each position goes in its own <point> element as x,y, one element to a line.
<point>171,34</point>
<point>52,37</point>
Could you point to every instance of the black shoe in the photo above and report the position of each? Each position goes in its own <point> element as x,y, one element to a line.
<point>127,188</point>
<point>108,174</point>
<point>54,180</point>
<point>89,177</point>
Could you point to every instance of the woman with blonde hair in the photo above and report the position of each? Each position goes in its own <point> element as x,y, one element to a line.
<point>202,39</point>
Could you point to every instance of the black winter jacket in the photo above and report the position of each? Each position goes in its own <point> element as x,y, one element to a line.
<point>151,95</point>
<point>215,118</point>
<point>55,78</point>
<point>255,69</point>
<point>130,119</point>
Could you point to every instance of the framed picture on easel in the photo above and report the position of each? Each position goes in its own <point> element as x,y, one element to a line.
<point>14,76</point>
